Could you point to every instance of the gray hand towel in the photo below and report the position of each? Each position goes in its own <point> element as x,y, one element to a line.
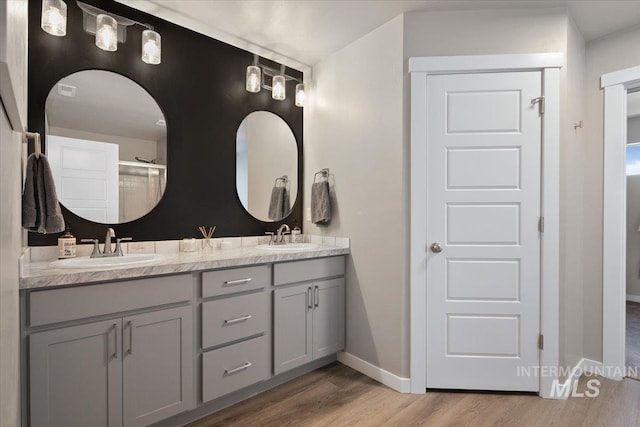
<point>320,203</point>
<point>278,204</point>
<point>286,204</point>
<point>40,208</point>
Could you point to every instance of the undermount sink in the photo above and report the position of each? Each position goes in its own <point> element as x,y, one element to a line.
<point>117,261</point>
<point>289,247</point>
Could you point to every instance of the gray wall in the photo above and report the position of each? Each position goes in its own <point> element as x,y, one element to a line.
<point>353,125</point>
<point>13,43</point>
<point>612,53</point>
<point>572,207</point>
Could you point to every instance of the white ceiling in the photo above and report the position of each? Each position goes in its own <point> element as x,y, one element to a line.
<point>105,103</point>
<point>309,30</point>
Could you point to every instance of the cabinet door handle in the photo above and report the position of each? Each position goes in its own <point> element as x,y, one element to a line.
<point>238,369</point>
<point>316,297</point>
<point>309,298</point>
<point>238,319</point>
<point>130,324</point>
<point>114,355</point>
<point>238,281</point>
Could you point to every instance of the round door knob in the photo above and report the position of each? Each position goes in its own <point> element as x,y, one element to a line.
<point>436,248</point>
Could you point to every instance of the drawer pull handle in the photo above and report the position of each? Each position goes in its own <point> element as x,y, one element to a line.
<point>238,319</point>
<point>238,369</point>
<point>238,282</point>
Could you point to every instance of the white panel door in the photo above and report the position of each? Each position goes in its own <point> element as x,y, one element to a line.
<point>483,204</point>
<point>86,176</point>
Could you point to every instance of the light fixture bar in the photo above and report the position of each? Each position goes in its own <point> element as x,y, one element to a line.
<point>255,81</point>
<point>151,40</point>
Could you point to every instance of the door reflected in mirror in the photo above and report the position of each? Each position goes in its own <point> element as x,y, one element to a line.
<point>106,141</point>
<point>266,166</point>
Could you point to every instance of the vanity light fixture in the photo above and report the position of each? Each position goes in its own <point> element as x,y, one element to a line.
<point>106,32</point>
<point>255,82</point>
<point>109,29</point>
<point>300,94</point>
<point>278,88</point>
<point>254,78</point>
<point>151,47</point>
<point>54,17</point>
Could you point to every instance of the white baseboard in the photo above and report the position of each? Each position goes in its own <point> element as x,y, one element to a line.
<point>583,366</point>
<point>402,385</point>
<point>633,298</point>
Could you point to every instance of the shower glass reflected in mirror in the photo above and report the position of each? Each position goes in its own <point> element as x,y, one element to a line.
<point>266,166</point>
<point>106,141</point>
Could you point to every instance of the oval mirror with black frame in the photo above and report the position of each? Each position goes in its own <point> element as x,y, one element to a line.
<point>266,166</point>
<point>106,141</point>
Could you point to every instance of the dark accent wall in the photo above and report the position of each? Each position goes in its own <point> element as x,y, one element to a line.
<point>200,88</point>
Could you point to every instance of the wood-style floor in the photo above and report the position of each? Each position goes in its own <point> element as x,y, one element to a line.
<point>339,396</point>
<point>633,339</point>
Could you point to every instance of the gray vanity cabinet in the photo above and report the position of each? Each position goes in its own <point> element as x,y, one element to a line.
<point>308,323</point>
<point>157,365</point>
<point>128,371</point>
<point>308,317</point>
<point>328,317</point>
<point>76,376</point>
<point>292,324</point>
<point>124,353</point>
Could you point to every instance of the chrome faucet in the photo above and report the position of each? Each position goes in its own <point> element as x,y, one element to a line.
<point>107,242</point>
<point>107,252</point>
<point>280,233</point>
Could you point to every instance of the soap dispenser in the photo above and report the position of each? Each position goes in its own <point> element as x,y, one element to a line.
<point>66,246</point>
<point>296,235</point>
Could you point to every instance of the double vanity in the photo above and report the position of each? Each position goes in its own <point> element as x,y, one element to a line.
<point>168,338</point>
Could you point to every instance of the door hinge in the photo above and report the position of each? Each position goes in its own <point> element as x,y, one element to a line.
<point>541,224</point>
<point>541,341</point>
<point>540,101</point>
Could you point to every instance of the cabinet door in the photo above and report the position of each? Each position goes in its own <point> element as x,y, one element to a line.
<point>158,365</point>
<point>328,317</point>
<point>292,327</point>
<point>76,376</point>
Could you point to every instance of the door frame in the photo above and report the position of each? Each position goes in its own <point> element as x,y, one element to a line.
<point>614,219</point>
<point>420,68</point>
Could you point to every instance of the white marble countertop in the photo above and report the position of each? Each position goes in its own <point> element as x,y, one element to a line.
<point>40,274</point>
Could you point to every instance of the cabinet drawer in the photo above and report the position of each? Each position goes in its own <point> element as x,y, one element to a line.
<point>234,318</point>
<point>221,282</point>
<point>59,305</point>
<point>231,368</point>
<point>302,271</point>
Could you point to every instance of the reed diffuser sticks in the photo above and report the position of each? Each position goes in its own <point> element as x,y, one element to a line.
<point>207,234</point>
